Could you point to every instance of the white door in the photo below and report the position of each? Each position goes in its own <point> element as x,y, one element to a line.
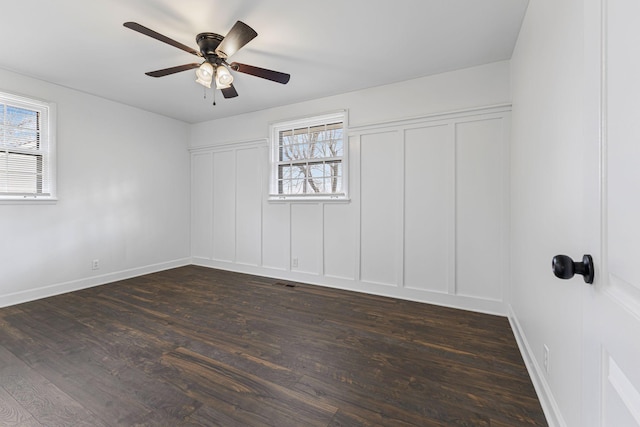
<point>611,388</point>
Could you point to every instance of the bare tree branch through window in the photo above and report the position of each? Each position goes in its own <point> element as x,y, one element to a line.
<point>309,159</point>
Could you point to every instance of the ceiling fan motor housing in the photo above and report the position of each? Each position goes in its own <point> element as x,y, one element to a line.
<point>208,43</point>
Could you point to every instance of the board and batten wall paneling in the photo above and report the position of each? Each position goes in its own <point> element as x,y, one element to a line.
<point>426,219</point>
<point>249,167</point>
<point>306,238</point>
<point>275,236</point>
<point>340,236</point>
<point>202,204</point>
<point>224,201</point>
<point>380,195</point>
<point>428,209</point>
<point>480,208</point>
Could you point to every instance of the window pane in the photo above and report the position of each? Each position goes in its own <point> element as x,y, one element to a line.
<point>323,149</point>
<point>303,149</point>
<point>337,148</point>
<point>301,171</point>
<point>299,139</point>
<point>20,138</point>
<point>315,185</point>
<point>326,185</point>
<point>22,118</point>
<point>336,183</point>
<point>316,150</point>
<point>285,172</point>
<point>21,128</point>
<point>283,186</point>
<point>285,149</point>
<point>334,168</point>
<point>316,170</point>
<point>297,186</point>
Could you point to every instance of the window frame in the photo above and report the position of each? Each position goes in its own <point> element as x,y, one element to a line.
<point>307,122</point>
<point>47,149</point>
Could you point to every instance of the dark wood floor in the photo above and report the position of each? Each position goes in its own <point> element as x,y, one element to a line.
<point>200,347</point>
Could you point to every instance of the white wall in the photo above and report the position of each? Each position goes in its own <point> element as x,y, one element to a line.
<point>549,163</point>
<point>433,227</point>
<point>123,179</point>
<point>452,91</point>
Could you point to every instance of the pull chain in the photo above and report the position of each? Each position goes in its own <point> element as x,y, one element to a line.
<point>214,95</point>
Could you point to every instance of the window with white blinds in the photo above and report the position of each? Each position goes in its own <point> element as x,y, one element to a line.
<point>26,149</point>
<point>308,158</point>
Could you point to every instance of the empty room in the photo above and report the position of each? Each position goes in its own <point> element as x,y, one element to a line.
<point>319,213</point>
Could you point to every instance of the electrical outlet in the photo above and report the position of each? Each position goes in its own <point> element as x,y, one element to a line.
<point>545,359</point>
<point>294,262</point>
<point>95,264</point>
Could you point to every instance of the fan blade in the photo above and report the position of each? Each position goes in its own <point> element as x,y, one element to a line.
<point>172,70</point>
<point>149,32</point>
<point>275,76</point>
<point>230,92</point>
<point>239,35</point>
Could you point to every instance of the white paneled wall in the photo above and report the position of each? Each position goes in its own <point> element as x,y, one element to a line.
<point>224,205</point>
<point>202,204</point>
<point>275,235</point>
<point>428,198</point>
<point>248,181</point>
<point>380,207</point>
<point>427,219</point>
<point>340,240</point>
<point>480,209</point>
<point>306,237</point>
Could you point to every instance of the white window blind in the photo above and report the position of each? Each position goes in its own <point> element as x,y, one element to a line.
<point>308,158</point>
<point>26,149</point>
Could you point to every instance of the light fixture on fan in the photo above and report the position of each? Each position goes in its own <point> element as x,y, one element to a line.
<point>223,77</point>
<point>204,74</point>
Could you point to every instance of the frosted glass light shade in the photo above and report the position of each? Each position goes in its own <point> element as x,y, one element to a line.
<point>204,74</point>
<point>223,77</point>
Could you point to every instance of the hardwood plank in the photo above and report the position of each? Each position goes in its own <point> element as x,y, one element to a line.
<point>46,403</point>
<point>380,405</point>
<point>14,414</point>
<point>214,383</point>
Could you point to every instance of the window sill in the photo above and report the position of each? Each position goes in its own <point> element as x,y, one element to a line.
<point>310,199</point>
<point>28,200</point>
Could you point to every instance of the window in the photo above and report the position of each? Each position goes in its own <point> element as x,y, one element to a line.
<point>308,158</point>
<point>27,149</point>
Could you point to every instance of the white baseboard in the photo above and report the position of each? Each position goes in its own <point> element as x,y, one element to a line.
<point>453,301</point>
<point>549,404</point>
<point>75,285</point>
<point>443,299</point>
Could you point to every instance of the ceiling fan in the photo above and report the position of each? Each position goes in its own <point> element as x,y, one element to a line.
<point>214,49</point>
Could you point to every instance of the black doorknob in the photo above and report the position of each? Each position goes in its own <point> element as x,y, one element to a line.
<point>565,268</point>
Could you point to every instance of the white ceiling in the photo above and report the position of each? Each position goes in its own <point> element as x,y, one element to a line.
<point>328,46</point>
